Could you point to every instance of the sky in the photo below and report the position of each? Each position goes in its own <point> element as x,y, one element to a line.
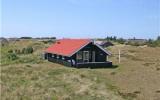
<point>80,18</point>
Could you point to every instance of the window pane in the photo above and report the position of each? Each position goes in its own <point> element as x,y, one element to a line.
<point>86,55</point>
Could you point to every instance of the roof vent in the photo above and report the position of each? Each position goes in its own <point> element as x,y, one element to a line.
<point>58,42</point>
<point>93,41</point>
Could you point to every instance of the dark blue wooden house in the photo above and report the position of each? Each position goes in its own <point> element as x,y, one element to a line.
<point>78,53</point>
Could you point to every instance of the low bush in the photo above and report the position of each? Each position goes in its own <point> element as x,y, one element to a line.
<point>31,59</point>
<point>28,66</point>
<point>82,75</point>
<point>135,43</point>
<point>137,92</point>
<point>153,43</point>
<point>27,50</point>
<point>113,73</point>
<point>10,51</point>
<point>17,51</point>
<point>48,41</point>
<point>121,41</point>
<point>157,69</point>
<point>12,56</point>
<point>23,50</point>
<point>128,96</point>
<point>158,91</point>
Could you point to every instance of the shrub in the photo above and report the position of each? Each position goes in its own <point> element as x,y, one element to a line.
<point>12,56</point>
<point>113,73</point>
<point>82,75</point>
<point>23,50</point>
<point>153,43</point>
<point>137,92</point>
<point>28,66</point>
<point>29,50</point>
<point>10,51</point>
<point>121,41</point>
<point>17,51</point>
<point>157,68</point>
<point>128,96</point>
<point>26,38</point>
<point>48,41</point>
<point>136,44</point>
<point>30,59</point>
<point>158,91</point>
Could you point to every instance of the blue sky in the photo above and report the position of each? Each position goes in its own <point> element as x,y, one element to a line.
<point>80,18</point>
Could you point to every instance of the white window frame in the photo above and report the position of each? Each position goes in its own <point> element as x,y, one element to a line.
<point>84,57</point>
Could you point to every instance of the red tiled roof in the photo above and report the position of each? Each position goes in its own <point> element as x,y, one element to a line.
<point>67,47</point>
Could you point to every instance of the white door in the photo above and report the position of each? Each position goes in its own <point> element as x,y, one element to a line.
<point>93,56</point>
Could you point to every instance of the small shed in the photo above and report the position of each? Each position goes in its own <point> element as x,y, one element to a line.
<point>104,43</point>
<point>78,53</point>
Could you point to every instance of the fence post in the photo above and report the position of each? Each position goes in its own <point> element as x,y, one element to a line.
<point>119,55</point>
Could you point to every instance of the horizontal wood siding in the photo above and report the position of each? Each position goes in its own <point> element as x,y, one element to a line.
<point>92,65</point>
<point>100,56</point>
<point>59,60</point>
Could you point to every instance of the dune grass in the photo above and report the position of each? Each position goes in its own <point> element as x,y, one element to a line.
<point>31,78</point>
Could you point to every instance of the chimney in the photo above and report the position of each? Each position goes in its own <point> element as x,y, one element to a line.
<point>94,41</point>
<point>58,42</point>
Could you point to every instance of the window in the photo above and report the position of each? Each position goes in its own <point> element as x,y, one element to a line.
<point>63,58</point>
<point>79,55</point>
<point>52,55</point>
<point>86,56</point>
<point>57,57</point>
